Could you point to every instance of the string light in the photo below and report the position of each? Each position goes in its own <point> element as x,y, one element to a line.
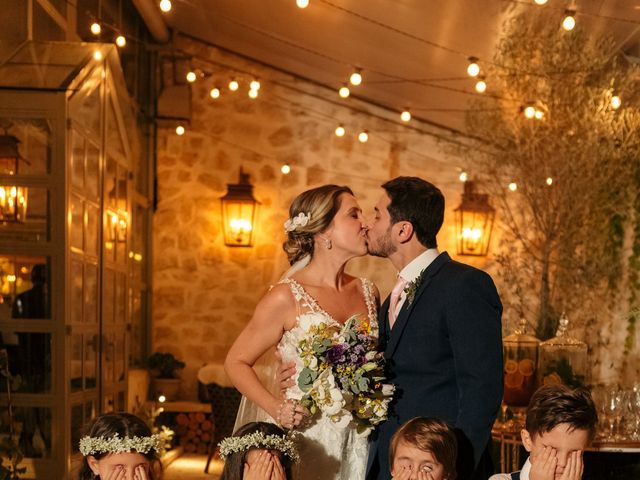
<point>285,169</point>
<point>165,5</point>
<point>234,85</point>
<point>549,181</point>
<point>97,55</point>
<point>96,28</point>
<point>569,21</point>
<point>191,76</point>
<point>302,3</point>
<point>363,136</point>
<point>473,69</point>
<point>539,114</point>
<point>540,2</point>
<point>405,116</point>
<point>180,130</point>
<point>356,77</point>
<point>344,91</point>
<point>253,93</point>
<point>463,176</point>
<point>215,92</point>
<point>481,85</point>
<point>616,102</point>
<point>340,131</point>
<point>254,85</point>
<point>529,112</point>
<point>121,41</point>
<point>513,186</point>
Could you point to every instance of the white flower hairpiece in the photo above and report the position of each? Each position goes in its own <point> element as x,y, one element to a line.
<point>116,444</point>
<point>299,220</point>
<point>258,440</point>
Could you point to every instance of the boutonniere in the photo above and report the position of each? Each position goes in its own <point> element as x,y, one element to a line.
<point>412,288</point>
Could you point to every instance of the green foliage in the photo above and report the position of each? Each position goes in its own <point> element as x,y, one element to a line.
<point>165,365</point>
<point>563,243</point>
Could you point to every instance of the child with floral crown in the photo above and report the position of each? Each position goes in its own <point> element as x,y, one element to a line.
<point>119,446</point>
<point>258,451</point>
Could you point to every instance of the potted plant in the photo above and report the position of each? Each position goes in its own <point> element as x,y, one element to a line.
<point>163,368</point>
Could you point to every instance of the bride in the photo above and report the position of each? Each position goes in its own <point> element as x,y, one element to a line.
<point>325,230</point>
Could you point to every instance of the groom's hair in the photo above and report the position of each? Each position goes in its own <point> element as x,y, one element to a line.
<point>417,201</point>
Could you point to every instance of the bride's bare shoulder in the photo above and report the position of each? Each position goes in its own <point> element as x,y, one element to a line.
<point>279,296</point>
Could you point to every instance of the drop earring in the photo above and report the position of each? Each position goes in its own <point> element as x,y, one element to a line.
<point>327,243</point>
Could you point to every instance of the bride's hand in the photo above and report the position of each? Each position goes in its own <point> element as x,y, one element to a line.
<point>291,414</point>
<point>285,376</point>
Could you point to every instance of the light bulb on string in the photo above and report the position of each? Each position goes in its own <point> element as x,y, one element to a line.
<point>549,181</point>
<point>616,102</point>
<point>285,169</point>
<point>481,85</point>
<point>191,76</point>
<point>253,93</point>
<point>97,55</point>
<point>405,116</point>
<point>180,130</point>
<point>569,21</point>
<point>513,186</point>
<point>539,114</point>
<point>215,92</point>
<point>165,5</point>
<point>121,41</point>
<point>344,91</point>
<point>540,2</point>
<point>340,131</point>
<point>96,28</point>
<point>234,85</point>
<point>254,85</point>
<point>473,69</point>
<point>463,176</point>
<point>529,111</point>
<point>363,136</point>
<point>356,77</point>
<point>302,3</point>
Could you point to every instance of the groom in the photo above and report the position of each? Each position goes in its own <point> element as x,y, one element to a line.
<point>440,330</point>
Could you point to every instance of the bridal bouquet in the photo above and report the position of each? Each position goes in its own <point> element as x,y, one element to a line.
<point>343,374</point>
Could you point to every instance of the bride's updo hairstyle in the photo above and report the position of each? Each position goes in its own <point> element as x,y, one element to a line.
<point>322,204</point>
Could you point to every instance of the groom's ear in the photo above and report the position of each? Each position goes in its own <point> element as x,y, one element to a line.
<point>405,231</point>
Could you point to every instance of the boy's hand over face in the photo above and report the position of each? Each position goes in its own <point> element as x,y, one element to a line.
<point>543,466</point>
<point>403,474</point>
<point>574,468</point>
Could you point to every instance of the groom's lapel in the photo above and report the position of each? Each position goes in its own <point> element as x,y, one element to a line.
<point>407,308</point>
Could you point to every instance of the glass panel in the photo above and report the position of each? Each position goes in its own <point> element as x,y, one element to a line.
<point>108,358</point>
<point>34,144</point>
<point>91,229</point>
<point>77,296</point>
<point>77,159</point>
<point>90,293</point>
<point>75,381</point>
<point>24,287</point>
<point>110,184</point>
<point>120,357</point>
<point>76,215</point>
<point>32,426</point>
<point>121,299</point>
<point>114,141</point>
<point>108,296</point>
<point>77,425</point>
<point>138,251</point>
<point>136,349</point>
<point>34,213</point>
<point>91,361</point>
<point>84,105</point>
<point>92,173</point>
<point>32,362</point>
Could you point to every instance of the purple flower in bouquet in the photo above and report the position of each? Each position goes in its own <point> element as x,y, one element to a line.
<point>336,354</point>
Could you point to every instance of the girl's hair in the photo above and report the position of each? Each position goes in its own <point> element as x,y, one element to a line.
<point>125,425</point>
<point>322,204</point>
<point>234,463</point>
<point>429,435</point>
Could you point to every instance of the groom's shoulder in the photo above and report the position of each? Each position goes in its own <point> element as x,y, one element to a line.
<point>459,272</point>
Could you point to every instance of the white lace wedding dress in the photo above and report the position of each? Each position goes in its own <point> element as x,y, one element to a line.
<point>327,451</point>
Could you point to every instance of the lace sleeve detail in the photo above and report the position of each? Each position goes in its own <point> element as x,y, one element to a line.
<point>370,300</point>
<point>304,301</point>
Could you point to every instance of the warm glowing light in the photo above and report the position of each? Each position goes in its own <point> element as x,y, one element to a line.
<point>96,28</point>
<point>463,176</point>
<point>240,225</point>
<point>162,399</point>
<point>121,41</point>
<point>363,136</point>
<point>405,116</point>
<point>137,257</point>
<point>473,234</point>
<point>615,102</point>
<point>180,130</point>
<point>253,93</point>
<point>356,78</point>
<point>569,21</point>
<point>11,278</point>
<point>302,3</point>
<point>344,92</point>
<point>549,181</point>
<point>529,112</point>
<point>513,186</point>
<point>540,2</point>
<point>473,69</point>
<point>539,114</point>
<point>97,55</point>
<point>165,5</point>
<point>254,85</point>
<point>191,76</point>
<point>214,93</point>
<point>24,270</point>
<point>340,131</point>
<point>234,85</point>
<point>286,169</point>
<point>481,85</point>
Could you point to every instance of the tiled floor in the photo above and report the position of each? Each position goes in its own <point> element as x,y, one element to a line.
<point>191,467</point>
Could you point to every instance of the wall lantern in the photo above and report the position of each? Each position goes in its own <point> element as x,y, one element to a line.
<point>239,209</point>
<point>13,199</point>
<point>474,221</point>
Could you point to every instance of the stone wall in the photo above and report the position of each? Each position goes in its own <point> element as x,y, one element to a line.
<point>205,292</point>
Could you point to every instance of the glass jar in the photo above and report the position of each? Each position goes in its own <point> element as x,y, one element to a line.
<point>563,359</point>
<point>520,352</point>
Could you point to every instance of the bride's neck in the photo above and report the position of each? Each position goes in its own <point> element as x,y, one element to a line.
<point>324,271</point>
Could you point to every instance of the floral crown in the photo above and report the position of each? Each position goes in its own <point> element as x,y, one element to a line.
<point>299,220</point>
<point>258,440</point>
<point>116,444</point>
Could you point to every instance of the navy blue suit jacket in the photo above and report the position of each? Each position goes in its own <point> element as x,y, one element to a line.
<point>444,355</point>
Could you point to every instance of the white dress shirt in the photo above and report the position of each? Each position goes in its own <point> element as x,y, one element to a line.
<point>524,473</point>
<point>412,270</point>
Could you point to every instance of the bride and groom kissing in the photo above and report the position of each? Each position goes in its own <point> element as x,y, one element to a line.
<point>440,329</point>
